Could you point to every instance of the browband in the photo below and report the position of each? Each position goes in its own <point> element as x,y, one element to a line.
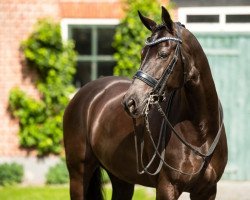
<point>163,39</point>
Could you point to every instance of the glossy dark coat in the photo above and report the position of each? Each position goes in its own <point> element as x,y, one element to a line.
<point>99,132</point>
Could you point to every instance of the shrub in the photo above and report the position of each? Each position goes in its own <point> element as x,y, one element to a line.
<point>130,35</point>
<point>10,173</point>
<point>54,61</point>
<point>58,174</point>
<point>105,177</point>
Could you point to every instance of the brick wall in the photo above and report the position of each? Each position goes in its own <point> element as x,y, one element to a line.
<point>16,20</point>
<point>102,9</point>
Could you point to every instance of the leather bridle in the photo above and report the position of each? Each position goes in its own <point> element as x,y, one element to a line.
<point>159,85</point>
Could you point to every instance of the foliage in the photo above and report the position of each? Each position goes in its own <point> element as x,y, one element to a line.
<point>58,174</point>
<point>54,60</point>
<point>131,34</point>
<point>10,173</point>
<point>105,176</point>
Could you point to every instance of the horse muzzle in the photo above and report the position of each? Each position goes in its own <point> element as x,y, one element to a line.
<point>130,107</point>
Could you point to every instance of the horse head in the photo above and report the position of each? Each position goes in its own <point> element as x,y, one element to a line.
<point>162,67</point>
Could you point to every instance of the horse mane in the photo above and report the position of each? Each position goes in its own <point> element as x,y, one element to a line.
<point>200,82</point>
<point>195,53</point>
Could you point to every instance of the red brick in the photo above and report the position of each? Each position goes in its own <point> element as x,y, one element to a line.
<point>98,10</point>
<point>16,19</point>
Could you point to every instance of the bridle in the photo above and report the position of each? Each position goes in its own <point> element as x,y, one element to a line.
<point>159,85</point>
<point>158,90</point>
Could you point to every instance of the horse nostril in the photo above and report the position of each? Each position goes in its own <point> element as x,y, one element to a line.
<point>129,106</point>
<point>130,103</point>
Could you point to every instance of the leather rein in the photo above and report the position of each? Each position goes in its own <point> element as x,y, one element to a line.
<point>154,99</point>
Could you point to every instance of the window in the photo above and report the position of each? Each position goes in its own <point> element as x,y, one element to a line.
<point>215,19</point>
<point>202,18</point>
<point>238,18</point>
<point>93,43</point>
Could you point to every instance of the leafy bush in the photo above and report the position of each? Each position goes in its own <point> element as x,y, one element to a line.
<point>130,35</point>
<point>58,174</point>
<point>105,177</point>
<point>54,60</point>
<point>11,173</point>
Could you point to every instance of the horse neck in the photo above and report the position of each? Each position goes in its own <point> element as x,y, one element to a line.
<point>200,94</point>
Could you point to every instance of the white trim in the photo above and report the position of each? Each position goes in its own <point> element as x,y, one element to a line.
<point>214,27</point>
<point>84,21</point>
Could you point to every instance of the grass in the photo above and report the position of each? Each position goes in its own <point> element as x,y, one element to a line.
<point>34,193</point>
<point>60,193</point>
<point>139,194</point>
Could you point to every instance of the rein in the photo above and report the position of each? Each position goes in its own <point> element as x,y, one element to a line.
<point>156,147</point>
<point>197,151</point>
<point>156,95</point>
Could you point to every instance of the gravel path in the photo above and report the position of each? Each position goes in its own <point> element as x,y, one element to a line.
<point>229,190</point>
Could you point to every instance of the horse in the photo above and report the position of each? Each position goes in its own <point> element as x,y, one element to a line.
<point>164,129</point>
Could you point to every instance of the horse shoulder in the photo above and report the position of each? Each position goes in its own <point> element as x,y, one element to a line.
<point>104,106</point>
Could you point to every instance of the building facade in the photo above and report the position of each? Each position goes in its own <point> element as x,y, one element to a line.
<point>90,23</point>
<point>17,20</point>
<point>222,27</point>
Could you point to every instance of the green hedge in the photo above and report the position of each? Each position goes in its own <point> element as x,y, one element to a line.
<point>58,174</point>
<point>11,173</point>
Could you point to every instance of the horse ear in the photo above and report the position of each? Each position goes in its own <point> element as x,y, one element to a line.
<point>150,24</point>
<point>166,19</point>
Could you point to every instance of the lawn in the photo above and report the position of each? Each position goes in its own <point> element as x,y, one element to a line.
<point>60,193</point>
<point>34,193</point>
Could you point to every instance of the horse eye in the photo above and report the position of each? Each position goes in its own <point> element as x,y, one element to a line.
<point>163,54</point>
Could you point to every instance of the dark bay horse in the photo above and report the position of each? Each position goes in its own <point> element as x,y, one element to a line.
<point>177,123</point>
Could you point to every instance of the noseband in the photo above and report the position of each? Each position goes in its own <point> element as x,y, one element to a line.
<point>159,85</point>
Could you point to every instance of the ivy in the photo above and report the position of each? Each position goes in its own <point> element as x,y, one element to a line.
<point>131,34</point>
<point>54,61</point>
